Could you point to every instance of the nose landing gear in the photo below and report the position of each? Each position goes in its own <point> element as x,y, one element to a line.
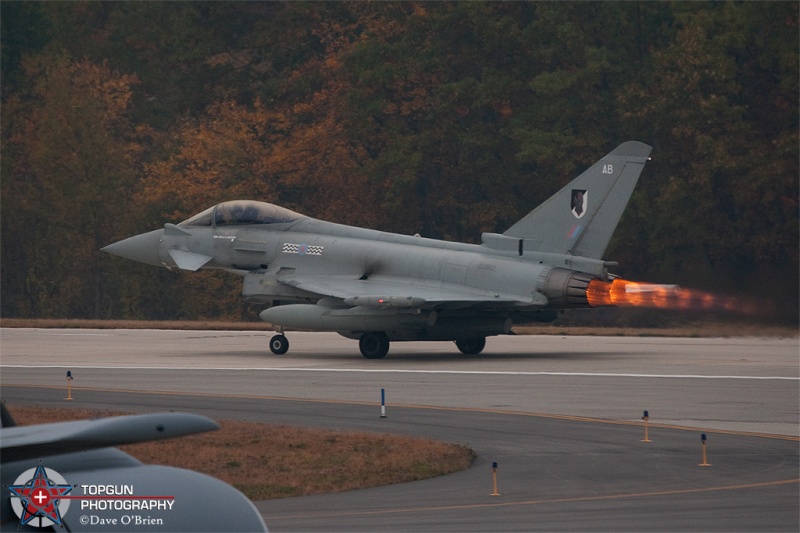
<point>279,344</point>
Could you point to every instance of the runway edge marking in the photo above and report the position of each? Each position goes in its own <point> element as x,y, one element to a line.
<point>400,371</point>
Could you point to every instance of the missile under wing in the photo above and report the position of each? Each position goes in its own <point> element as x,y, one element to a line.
<point>378,287</point>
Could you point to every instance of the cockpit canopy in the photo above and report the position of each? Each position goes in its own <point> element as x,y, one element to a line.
<point>242,212</point>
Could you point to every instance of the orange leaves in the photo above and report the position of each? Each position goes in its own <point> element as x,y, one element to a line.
<point>73,137</point>
<point>223,156</point>
<point>78,87</point>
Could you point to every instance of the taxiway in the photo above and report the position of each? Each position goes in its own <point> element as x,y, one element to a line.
<point>561,416</point>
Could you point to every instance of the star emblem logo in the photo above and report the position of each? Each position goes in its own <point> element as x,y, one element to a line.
<point>40,497</point>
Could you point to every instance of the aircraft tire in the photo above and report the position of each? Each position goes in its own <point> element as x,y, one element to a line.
<point>471,346</point>
<point>279,344</point>
<point>374,345</point>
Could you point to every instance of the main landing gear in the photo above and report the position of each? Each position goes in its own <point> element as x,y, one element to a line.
<point>471,346</point>
<point>374,345</point>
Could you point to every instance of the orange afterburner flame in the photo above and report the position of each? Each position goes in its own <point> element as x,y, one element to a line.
<point>622,293</point>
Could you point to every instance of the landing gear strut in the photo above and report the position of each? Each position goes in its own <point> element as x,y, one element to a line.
<point>374,345</point>
<point>279,344</point>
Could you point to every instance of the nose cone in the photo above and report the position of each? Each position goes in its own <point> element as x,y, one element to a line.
<point>142,248</point>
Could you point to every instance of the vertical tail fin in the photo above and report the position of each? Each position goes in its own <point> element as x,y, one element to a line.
<point>6,420</point>
<point>581,218</point>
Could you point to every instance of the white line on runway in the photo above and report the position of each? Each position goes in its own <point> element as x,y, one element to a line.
<point>397,371</point>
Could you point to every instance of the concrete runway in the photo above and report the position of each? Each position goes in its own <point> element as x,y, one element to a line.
<point>561,416</point>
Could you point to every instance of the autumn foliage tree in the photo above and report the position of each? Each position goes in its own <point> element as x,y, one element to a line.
<point>443,118</point>
<point>726,164</point>
<point>67,143</point>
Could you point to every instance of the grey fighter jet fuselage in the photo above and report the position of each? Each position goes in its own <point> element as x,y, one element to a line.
<point>378,287</point>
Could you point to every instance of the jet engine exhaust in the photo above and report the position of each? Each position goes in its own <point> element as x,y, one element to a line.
<point>623,293</point>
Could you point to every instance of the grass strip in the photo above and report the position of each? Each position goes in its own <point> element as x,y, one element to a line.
<point>274,461</point>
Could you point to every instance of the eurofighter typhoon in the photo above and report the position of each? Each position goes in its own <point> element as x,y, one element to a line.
<point>378,287</point>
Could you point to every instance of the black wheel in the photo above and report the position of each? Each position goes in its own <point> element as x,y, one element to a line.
<point>471,346</point>
<point>279,344</point>
<point>374,345</point>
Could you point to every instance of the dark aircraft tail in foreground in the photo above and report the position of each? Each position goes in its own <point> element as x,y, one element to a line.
<point>68,476</point>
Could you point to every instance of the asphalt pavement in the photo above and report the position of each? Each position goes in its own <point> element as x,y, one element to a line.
<point>560,416</point>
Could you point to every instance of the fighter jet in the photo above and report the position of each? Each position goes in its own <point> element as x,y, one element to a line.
<point>67,474</point>
<point>378,287</point>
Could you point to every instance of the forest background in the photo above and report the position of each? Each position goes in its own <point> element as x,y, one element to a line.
<point>445,118</point>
